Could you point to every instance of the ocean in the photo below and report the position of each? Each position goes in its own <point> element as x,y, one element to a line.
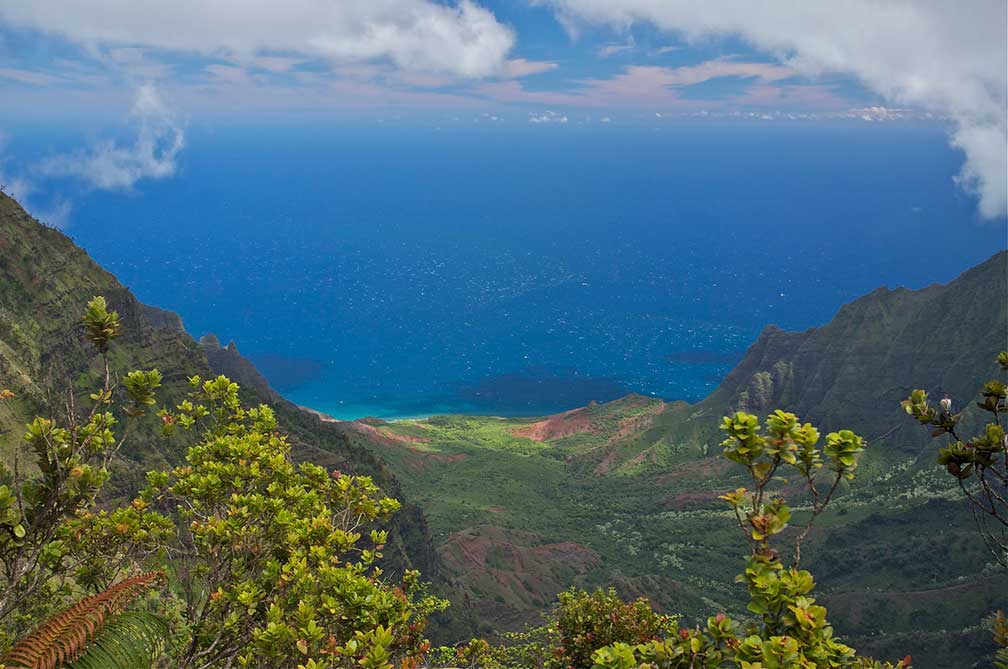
<point>405,269</point>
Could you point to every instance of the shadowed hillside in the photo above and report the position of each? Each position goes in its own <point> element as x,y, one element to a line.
<point>853,371</point>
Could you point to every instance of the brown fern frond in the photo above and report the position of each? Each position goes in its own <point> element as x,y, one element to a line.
<point>62,638</point>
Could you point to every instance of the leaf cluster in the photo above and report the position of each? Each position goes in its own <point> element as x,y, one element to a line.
<point>58,470</point>
<point>978,463</point>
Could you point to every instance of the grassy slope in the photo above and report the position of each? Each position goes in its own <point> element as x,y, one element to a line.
<point>626,492</point>
<point>45,281</point>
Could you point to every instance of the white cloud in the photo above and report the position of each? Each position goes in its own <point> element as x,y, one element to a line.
<point>28,76</point>
<point>877,113</point>
<point>57,214</point>
<point>613,49</point>
<point>643,86</point>
<point>112,166</point>
<point>944,57</point>
<point>519,67</point>
<point>13,184</point>
<point>547,117</point>
<point>984,173</point>
<point>464,39</point>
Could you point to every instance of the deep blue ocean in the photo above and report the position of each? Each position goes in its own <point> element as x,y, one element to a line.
<point>397,271</point>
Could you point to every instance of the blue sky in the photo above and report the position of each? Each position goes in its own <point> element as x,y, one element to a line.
<point>545,63</point>
<point>145,71</point>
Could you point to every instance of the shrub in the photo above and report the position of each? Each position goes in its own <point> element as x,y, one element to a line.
<point>275,562</point>
<point>584,622</point>
<point>579,623</point>
<point>56,475</point>
<point>978,463</point>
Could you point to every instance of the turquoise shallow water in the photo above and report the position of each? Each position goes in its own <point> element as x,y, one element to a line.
<point>404,272</point>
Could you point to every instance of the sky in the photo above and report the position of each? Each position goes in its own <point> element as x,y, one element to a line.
<point>131,77</point>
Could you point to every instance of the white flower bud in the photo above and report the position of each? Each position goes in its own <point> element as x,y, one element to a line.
<point>946,404</point>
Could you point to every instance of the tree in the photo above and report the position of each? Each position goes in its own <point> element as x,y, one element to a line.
<point>979,463</point>
<point>270,557</point>
<point>790,631</point>
<point>56,475</point>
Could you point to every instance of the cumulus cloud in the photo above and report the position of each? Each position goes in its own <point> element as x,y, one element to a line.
<point>114,166</point>
<point>947,58</point>
<point>464,39</point>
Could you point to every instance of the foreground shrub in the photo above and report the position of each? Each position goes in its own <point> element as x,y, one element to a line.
<point>274,562</point>
<point>56,474</point>
<point>979,463</point>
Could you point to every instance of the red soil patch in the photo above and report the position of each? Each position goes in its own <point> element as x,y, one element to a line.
<point>558,426</point>
<point>691,499</point>
<point>379,434</point>
<point>416,458</point>
<point>511,575</point>
<point>632,425</point>
<point>513,550</point>
<point>605,466</point>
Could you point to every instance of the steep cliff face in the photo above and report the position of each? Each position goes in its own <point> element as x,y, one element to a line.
<point>45,280</point>
<point>853,371</point>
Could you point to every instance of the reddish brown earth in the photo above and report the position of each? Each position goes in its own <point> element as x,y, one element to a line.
<point>691,499</point>
<point>629,428</point>
<point>558,426</point>
<point>381,438</point>
<point>634,425</point>
<point>587,420</point>
<point>511,573</point>
<point>606,464</point>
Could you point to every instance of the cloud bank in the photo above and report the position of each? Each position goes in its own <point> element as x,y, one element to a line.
<point>113,166</point>
<point>947,58</point>
<point>463,39</point>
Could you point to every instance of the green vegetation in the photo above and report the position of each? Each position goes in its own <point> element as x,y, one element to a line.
<point>273,561</point>
<point>96,632</point>
<point>627,492</point>
<point>265,558</point>
<point>789,628</point>
<point>578,624</point>
<point>58,476</point>
<point>979,464</point>
<point>524,519</point>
